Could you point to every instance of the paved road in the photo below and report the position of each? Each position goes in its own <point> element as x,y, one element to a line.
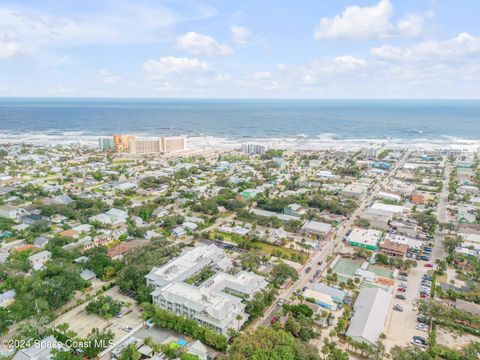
<point>329,245</point>
<point>438,252</point>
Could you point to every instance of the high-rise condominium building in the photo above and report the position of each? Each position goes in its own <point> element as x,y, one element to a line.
<point>254,149</point>
<point>163,145</point>
<point>106,143</point>
<point>122,142</point>
<point>145,146</point>
<point>173,144</point>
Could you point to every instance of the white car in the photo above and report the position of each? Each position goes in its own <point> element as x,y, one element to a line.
<point>127,328</point>
<point>422,327</point>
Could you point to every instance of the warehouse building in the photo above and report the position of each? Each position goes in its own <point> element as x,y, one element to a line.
<point>369,315</point>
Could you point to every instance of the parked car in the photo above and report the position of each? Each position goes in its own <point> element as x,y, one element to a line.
<point>308,269</point>
<point>424,296</point>
<point>402,278</point>
<point>274,320</point>
<point>118,315</point>
<point>421,319</point>
<point>398,307</point>
<point>127,328</point>
<point>421,338</point>
<point>425,258</point>
<point>149,323</point>
<point>400,296</point>
<point>428,265</point>
<point>422,327</point>
<point>401,290</point>
<point>402,273</point>
<point>403,285</point>
<point>419,343</point>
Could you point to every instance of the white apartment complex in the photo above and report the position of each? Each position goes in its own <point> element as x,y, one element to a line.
<point>164,145</point>
<point>254,149</point>
<point>218,301</point>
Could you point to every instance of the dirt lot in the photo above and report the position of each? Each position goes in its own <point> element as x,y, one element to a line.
<point>454,340</point>
<point>401,326</point>
<point>82,323</point>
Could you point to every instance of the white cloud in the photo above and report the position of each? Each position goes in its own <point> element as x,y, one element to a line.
<point>106,77</point>
<point>411,25</point>
<point>10,50</point>
<point>357,22</point>
<point>198,44</point>
<point>241,35</point>
<point>349,62</point>
<point>463,45</point>
<point>170,65</point>
<point>371,22</point>
<point>105,22</point>
<point>262,75</point>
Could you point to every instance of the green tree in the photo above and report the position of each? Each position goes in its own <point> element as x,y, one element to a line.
<point>97,341</point>
<point>130,353</point>
<point>104,306</point>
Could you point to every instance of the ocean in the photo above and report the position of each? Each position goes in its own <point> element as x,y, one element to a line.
<point>293,123</point>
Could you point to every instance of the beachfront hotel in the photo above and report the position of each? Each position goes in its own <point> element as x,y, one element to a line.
<point>122,142</point>
<point>165,145</point>
<point>129,144</point>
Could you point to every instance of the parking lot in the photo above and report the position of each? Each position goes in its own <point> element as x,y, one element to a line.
<point>401,325</point>
<point>83,323</point>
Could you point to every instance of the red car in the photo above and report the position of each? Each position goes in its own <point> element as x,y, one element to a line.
<point>424,296</point>
<point>274,320</point>
<point>401,289</point>
<point>428,265</point>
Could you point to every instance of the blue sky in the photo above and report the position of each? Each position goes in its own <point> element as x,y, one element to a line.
<point>240,49</point>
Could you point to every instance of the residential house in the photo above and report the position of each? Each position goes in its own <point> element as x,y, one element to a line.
<point>7,298</point>
<point>38,260</point>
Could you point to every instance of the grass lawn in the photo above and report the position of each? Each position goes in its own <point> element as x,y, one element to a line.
<point>270,249</point>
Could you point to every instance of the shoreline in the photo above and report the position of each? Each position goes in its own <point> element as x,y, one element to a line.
<point>296,142</point>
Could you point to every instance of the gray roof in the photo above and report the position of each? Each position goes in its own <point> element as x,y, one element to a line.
<point>370,313</point>
<point>87,274</point>
<point>39,351</point>
<point>7,295</point>
<point>40,255</point>
<point>330,291</point>
<point>40,241</point>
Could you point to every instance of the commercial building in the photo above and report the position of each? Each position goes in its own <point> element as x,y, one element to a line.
<point>369,315</point>
<point>393,248</point>
<point>106,143</point>
<point>355,190</point>
<point>316,228</point>
<point>122,142</point>
<point>217,302</point>
<point>394,209</point>
<point>378,219</point>
<point>365,238</point>
<point>254,149</point>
